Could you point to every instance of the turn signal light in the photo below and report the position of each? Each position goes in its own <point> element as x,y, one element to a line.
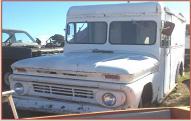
<point>115,77</point>
<point>21,69</point>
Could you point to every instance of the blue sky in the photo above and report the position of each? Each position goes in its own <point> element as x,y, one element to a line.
<point>43,19</point>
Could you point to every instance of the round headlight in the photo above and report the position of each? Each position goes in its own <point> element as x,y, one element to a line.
<point>109,99</point>
<point>19,89</point>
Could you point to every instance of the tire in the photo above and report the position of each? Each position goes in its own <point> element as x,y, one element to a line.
<point>143,103</point>
<point>140,103</point>
<point>146,97</point>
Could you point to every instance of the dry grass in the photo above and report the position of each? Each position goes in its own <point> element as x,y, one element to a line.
<point>180,96</point>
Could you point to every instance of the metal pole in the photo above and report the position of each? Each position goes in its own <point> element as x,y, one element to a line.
<point>8,95</point>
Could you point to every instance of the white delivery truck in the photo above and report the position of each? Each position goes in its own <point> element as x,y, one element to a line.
<point>116,57</point>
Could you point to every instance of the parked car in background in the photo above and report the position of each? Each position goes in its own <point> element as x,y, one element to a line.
<point>17,45</point>
<point>116,57</point>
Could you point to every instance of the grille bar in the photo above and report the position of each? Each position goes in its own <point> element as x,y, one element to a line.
<point>63,90</point>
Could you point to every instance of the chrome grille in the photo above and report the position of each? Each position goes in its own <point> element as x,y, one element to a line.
<point>63,90</point>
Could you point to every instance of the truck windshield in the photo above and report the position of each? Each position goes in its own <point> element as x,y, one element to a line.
<point>133,32</point>
<point>17,37</point>
<point>87,33</point>
<point>22,37</point>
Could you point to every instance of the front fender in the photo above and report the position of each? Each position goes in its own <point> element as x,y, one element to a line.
<point>134,90</point>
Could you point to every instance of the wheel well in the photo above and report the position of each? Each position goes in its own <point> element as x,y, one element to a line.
<point>147,93</point>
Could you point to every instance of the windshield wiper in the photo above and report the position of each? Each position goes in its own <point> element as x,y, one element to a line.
<point>101,51</point>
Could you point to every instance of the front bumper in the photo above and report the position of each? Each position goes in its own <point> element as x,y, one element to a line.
<point>55,106</point>
<point>41,94</point>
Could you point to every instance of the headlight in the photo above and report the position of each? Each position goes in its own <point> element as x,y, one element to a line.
<point>19,89</point>
<point>109,99</point>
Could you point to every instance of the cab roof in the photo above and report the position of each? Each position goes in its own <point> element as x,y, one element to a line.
<point>111,9</point>
<point>12,30</point>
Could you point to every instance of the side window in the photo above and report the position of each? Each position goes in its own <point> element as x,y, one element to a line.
<point>133,32</point>
<point>22,38</point>
<point>4,37</point>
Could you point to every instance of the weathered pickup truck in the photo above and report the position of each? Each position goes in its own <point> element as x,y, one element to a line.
<point>116,57</point>
<point>17,45</point>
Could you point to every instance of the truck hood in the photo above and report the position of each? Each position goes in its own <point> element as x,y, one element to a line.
<point>112,63</point>
<point>29,45</point>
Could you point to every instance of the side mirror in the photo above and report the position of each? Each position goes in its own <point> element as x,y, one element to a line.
<point>38,41</point>
<point>168,28</point>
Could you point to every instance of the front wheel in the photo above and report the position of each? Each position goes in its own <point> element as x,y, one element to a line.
<point>145,100</point>
<point>146,97</point>
<point>141,103</point>
<point>144,103</point>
